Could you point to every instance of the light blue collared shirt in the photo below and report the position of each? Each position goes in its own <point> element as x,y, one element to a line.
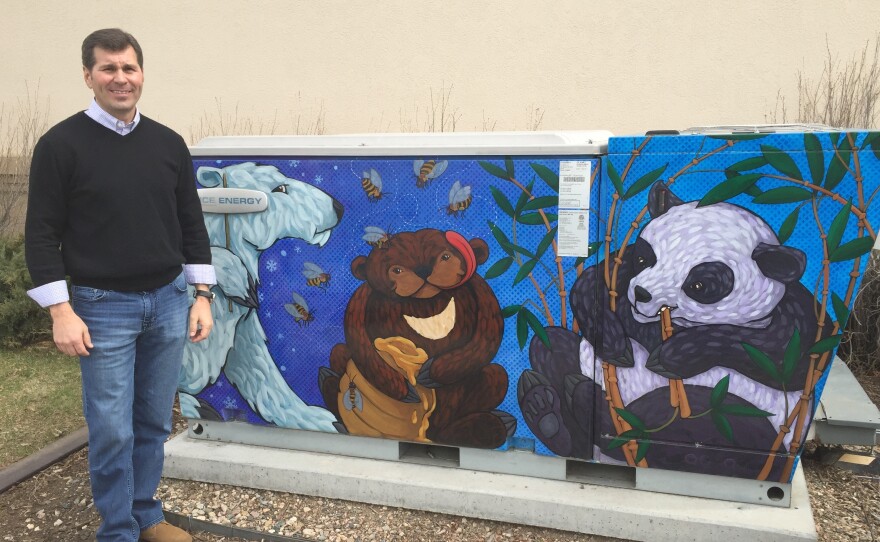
<point>107,120</point>
<point>56,292</point>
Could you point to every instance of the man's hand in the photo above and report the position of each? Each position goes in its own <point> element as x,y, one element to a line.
<point>70,333</point>
<point>200,320</point>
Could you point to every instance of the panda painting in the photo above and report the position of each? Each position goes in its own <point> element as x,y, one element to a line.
<point>729,287</point>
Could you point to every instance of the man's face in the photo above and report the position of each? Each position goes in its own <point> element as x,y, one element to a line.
<point>117,80</point>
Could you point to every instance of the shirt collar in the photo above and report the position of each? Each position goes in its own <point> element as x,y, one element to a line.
<point>110,122</point>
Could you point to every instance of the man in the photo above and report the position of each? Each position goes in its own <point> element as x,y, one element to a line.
<point>112,203</point>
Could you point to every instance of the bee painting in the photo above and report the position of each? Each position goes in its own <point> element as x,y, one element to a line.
<point>353,398</point>
<point>299,309</point>
<point>376,236</point>
<point>428,170</point>
<point>315,275</point>
<point>460,199</point>
<point>371,181</point>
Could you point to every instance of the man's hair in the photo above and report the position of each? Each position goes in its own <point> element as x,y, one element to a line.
<point>109,39</point>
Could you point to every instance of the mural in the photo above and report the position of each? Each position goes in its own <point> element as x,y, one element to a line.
<point>420,336</point>
<point>237,347</point>
<point>432,298</point>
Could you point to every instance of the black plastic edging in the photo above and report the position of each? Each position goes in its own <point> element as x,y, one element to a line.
<point>192,524</point>
<point>43,458</point>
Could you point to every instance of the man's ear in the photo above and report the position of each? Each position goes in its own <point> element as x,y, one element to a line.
<point>87,77</point>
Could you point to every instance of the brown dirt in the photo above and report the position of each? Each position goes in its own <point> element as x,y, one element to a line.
<point>55,505</point>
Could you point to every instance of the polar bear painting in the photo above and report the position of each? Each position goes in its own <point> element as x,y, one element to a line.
<point>237,345</point>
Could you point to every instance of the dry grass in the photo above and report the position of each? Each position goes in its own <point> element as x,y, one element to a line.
<point>40,399</point>
<point>221,122</point>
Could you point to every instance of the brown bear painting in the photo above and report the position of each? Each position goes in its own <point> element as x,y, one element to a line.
<point>420,336</point>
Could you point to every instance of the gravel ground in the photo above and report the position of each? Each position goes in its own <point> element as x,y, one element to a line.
<point>55,505</point>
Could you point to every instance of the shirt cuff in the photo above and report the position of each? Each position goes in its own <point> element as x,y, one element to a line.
<point>200,273</point>
<point>51,293</point>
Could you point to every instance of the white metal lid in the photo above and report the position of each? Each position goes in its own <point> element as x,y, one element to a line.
<point>591,142</point>
<point>758,129</point>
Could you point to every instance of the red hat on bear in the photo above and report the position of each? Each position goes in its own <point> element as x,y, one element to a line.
<point>467,252</point>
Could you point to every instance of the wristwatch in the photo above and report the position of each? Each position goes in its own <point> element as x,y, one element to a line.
<point>207,294</point>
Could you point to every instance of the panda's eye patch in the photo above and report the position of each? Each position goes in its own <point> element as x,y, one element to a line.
<point>709,282</point>
<point>280,188</point>
<point>643,255</point>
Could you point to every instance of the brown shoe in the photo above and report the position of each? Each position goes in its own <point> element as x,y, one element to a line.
<point>164,532</point>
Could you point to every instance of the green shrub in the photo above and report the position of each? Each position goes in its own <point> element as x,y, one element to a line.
<point>21,320</point>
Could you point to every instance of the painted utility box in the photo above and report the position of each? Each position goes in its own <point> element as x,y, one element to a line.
<point>668,302</point>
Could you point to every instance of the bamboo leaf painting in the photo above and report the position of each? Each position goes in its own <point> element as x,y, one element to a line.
<point>763,361</point>
<point>502,201</point>
<point>546,242</point>
<point>498,268</point>
<point>841,312</point>
<point>791,356</point>
<point>783,194</point>
<point>729,189</point>
<point>493,170</point>
<point>838,225</point>
<point>541,203</point>
<point>825,345</point>
<point>815,157</point>
<point>743,410</point>
<point>723,425</point>
<point>781,161</point>
<point>510,168</point>
<point>548,176</point>
<point>839,164</point>
<point>631,419</point>
<point>644,181</point>
<point>788,225</point>
<point>615,178</point>
<point>748,164</point>
<point>719,392</point>
<point>524,271</point>
<point>853,249</point>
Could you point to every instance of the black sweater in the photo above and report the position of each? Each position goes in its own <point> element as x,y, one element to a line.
<point>123,210</point>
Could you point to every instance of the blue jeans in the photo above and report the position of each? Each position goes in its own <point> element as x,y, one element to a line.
<point>129,379</point>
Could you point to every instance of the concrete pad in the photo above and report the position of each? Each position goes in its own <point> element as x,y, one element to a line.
<point>579,507</point>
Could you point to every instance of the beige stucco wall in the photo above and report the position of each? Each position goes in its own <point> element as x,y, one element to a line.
<point>372,65</point>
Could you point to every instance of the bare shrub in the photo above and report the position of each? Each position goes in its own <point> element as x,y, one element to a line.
<point>489,123</point>
<point>844,96</point>
<point>439,116</point>
<point>20,128</point>
<point>536,118</point>
<point>302,126</point>
<point>220,123</point>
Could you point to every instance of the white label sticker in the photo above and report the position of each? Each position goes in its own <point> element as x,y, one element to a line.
<point>574,232</point>
<point>574,184</point>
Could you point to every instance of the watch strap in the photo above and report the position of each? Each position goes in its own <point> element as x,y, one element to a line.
<point>207,294</point>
